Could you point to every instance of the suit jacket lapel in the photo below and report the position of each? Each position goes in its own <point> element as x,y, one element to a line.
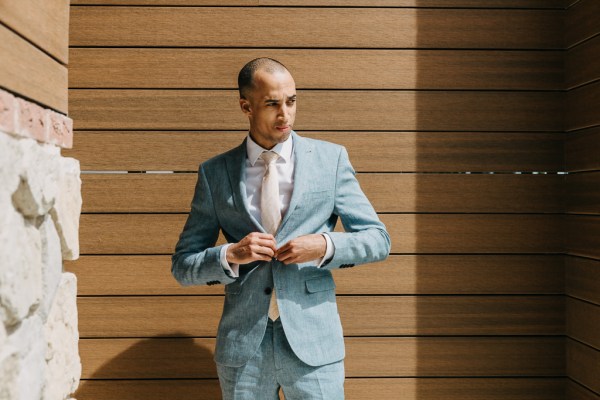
<point>302,150</point>
<point>236,169</point>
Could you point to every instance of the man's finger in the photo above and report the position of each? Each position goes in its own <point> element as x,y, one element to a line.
<point>263,250</point>
<point>267,243</point>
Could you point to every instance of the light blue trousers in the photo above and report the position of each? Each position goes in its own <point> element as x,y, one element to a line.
<point>275,365</point>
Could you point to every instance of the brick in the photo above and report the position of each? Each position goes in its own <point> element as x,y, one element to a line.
<point>32,121</point>
<point>60,129</point>
<point>8,112</point>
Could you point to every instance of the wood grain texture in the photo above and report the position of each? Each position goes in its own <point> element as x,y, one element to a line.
<point>583,193</point>
<point>583,364</point>
<point>583,235</point>
<point>203,3</point>
<point>551,4</point>
<point>403,152</point>
<point>581,22</point>
<point>582,64</point>
<point>319,69</point>
<point>574,391</point>
<point>198,316</point>
<point>507,193</point>
<point>583,322</point>
<point>582,278</point>
<point>324,110</point>
<point>354,388</point>
<point>558,4</point>
<point>410,233</point>
<point>582,149</point>
<point>316,27</point>
<point>398,274</point>
<point>28,72</point>
<point>582,107</point>
<point>191,358</point>
<point>43,22</point>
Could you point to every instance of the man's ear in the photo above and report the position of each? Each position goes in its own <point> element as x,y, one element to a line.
<point>245,106</point>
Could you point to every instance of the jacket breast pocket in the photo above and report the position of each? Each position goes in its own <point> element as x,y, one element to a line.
<point>320,284</point>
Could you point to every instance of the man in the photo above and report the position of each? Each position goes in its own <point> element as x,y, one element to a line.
<point>277,198</point>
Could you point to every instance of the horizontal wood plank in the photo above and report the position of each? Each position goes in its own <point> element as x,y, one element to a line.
<point>583,193</point>
<point>316,27</point>
<point>421,3</point>
<point>552,4</point>
<point>404,151</point>
<point>582,107</point>
<point>43,22</point>
<point>583,235</point>
<point>583,364</point>
<point>507,193</point>
<point>189,358</point>
<point>583,322</point>
<point>28,72</point>
<point>582,149</point>
<point>198,316</point>
<point>574,391</point>
<point>354,388</point>
<point>410,233</point>
<point>398,274</point>
<point>323,110</point>
<point>582,22</point>
<point>318,69</point>
<point>582,64</point>
<point>582,278</point>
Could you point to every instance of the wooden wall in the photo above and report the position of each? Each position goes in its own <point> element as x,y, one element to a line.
<point>582,159</point>
<point>463,101</point>
<point>34,44</point>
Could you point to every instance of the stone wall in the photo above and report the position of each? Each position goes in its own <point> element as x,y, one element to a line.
<point>40,204</point>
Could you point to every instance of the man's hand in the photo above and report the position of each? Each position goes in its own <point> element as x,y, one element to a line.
<point>256,246</point>
<point>302,249</point>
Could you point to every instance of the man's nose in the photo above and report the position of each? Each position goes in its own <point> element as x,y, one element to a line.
<point>283,112</point>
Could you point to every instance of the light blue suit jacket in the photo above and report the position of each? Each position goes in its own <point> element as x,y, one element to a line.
<point>325,188</point>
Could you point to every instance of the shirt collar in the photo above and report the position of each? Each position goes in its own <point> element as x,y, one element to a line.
<point>254,150</point>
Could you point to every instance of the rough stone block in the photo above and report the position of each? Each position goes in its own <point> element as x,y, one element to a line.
<point>28,340</point>
<point>51,266</point>
<point>8,112</point>
<point>64,364</point>
<point>9,371</point>
<point>39,178</point>
<point>67,207</point>
<point>11,158</point>
<point>31,120</point>
<point>2,335</point>
<point>21,271</point>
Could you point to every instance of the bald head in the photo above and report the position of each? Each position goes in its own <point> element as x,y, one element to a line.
<point>246,75</point>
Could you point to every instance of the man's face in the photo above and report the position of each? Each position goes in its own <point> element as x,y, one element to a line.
<point>271,107</point>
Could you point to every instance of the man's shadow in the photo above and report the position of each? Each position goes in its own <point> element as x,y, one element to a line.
<point>168,367</point>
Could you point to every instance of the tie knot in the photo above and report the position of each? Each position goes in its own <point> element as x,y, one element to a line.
<point>269,157</point>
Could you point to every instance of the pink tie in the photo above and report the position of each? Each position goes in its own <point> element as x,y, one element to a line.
<point>270,209</point>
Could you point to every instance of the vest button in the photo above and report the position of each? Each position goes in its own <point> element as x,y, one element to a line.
<point>268,290</point>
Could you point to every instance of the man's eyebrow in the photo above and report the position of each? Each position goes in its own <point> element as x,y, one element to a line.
<point>293,97</point>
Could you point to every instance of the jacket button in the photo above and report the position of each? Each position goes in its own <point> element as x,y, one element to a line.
<point>268,290</point>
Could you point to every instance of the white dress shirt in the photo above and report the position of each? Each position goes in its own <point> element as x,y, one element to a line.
<point>255,171</point>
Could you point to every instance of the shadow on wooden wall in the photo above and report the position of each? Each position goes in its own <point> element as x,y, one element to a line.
<point>182,368</point>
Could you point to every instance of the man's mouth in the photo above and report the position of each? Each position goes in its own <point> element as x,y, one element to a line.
<point>282,127</point>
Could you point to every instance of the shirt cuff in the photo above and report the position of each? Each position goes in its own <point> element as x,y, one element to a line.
<point>329,251</point>
<point>231,270</point>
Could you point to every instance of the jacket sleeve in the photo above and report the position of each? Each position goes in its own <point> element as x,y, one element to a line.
<point>365,238</point>
<point>196,260</point>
